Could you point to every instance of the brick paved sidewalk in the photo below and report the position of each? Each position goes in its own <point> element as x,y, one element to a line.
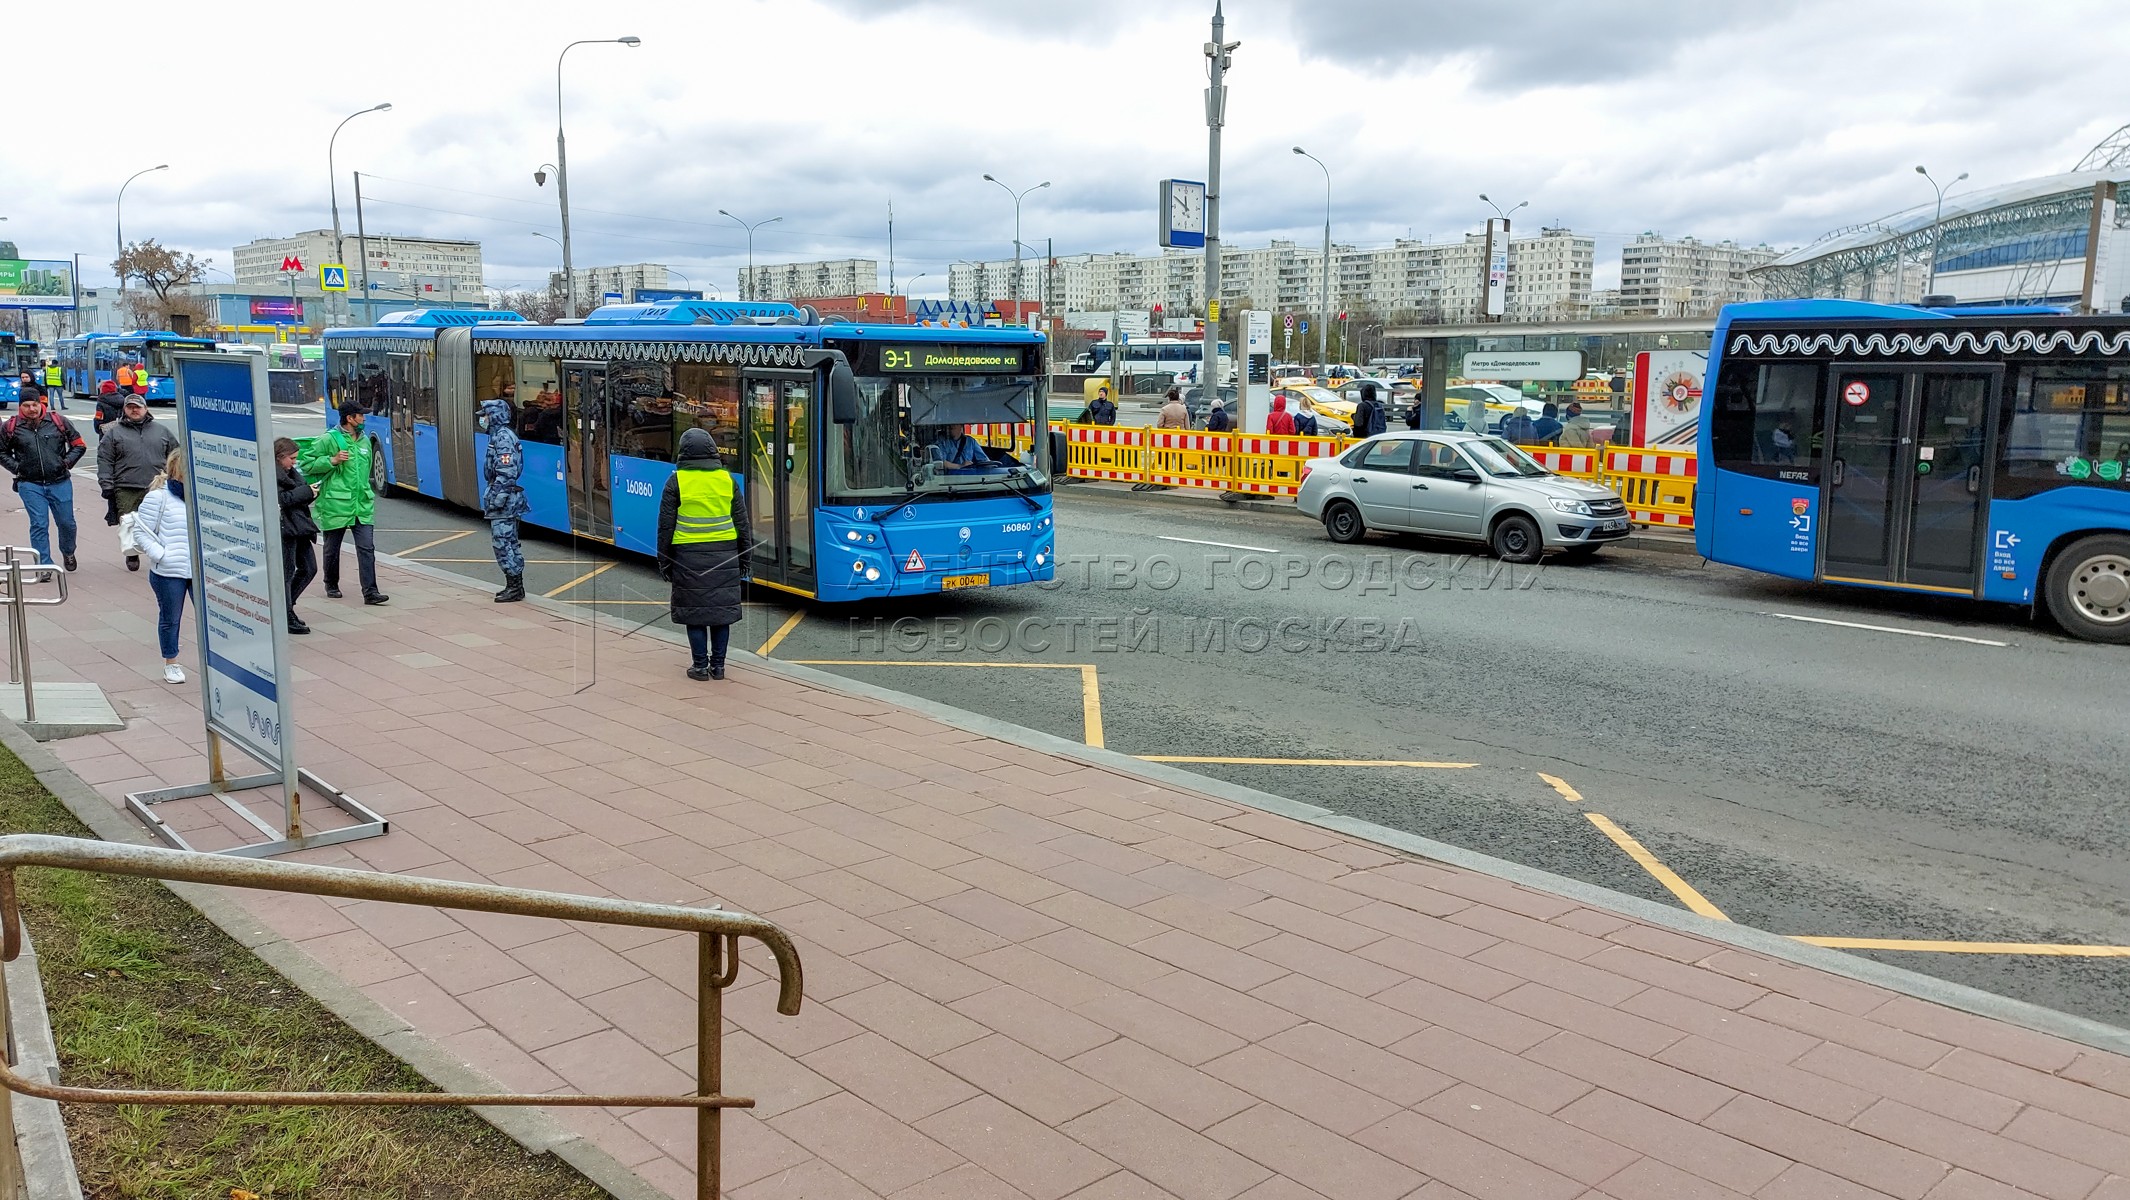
<point>1030,976</point>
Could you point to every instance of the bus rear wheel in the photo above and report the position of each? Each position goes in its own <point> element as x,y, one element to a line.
<point>2089,589</point>
<point>377,468</point>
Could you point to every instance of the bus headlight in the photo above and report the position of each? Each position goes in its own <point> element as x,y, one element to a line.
<point>1578,507</point>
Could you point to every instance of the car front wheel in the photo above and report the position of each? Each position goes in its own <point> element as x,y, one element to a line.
<point>1342,521</point>
<point>1516,539</point>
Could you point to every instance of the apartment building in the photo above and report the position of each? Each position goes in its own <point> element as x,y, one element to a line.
<point>807,280</point>
<point>1662,277</point>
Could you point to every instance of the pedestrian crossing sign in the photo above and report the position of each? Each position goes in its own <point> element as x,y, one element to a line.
<point>333,277</point>
<point>914,563</point>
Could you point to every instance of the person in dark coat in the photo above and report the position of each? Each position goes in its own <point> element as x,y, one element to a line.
<point>299,530</point>
<point>703,548</point>
<point>1368,414</point>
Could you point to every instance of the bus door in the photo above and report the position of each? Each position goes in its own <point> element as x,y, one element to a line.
<point>1907,474</point>
<point>775,435</point>
<point>585,460</point>
<point>399,400</point>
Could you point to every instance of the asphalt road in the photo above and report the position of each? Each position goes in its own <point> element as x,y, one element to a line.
<point>1811,779</point>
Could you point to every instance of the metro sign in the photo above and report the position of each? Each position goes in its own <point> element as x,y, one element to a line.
<point>291,263</point>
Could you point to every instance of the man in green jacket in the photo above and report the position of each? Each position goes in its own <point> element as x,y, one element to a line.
<point>338,466</point>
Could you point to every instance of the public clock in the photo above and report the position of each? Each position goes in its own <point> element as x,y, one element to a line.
<point>1183,213</point>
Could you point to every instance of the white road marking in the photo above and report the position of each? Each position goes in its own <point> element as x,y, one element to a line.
<point>1948,637</point>
<point>1222,545</point>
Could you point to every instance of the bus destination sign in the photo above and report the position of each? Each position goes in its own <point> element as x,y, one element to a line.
<point>942,360</point>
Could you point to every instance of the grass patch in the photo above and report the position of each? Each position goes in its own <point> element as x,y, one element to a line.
<point>145,993</point>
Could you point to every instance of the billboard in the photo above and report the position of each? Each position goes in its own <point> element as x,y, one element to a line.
<point>277,309</point>
<point>36,283</point>
<point>1667,401</point>
<point>1524,364</point>
<point>1497,286</point>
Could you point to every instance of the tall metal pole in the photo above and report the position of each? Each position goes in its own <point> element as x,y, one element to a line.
<point>333,176</point>
<point>122,221</point>
<point>362,247</point>
<point>1937,225</point>
<point>1017,197</point>
<point>747,282</point>
<point>569,274</point>
<point>1218,53</point>
<point>1323,315</point>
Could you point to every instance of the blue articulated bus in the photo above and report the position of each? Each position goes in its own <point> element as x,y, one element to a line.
<point>1981,452</point>
<point>17,356</point>
<point>85,362</point>
<point>830,427</point>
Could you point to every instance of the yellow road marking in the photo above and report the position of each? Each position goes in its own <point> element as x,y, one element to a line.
<point>777,638</point>
<point>450,537</point>
<point>1090,706</point>
<point>1561,785</point>
<point>601,569</point>
<point>2049,948</point>
<point>781,587</point>
<point>1657,870</point>
<point>1297,762</point>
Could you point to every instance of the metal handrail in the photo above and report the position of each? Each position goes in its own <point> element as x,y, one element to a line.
<point>18,625</point>
<point>718,933</point>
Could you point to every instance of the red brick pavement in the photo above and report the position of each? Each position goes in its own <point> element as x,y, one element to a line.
<point>1032,977</point>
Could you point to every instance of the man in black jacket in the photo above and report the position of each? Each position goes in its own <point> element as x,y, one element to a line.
<point>129,455</point>
<point>40,450</point>
<point>1368,419</point>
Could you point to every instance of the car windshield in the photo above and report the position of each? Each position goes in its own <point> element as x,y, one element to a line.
<point>914,437</point>
<point>1500,459</point>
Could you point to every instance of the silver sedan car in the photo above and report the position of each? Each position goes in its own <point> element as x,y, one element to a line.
<point>1460,485</point>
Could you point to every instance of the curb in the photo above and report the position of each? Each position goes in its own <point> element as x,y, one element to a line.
<point>532,1128</point>
<point>2083,1030</point>
<point>40,1127</point>
<point>1663,543</point>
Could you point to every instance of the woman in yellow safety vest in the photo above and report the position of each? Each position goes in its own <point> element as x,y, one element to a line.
<point>703,545</point>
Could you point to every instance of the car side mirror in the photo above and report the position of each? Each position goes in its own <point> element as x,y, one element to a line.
<point>1465,475</point>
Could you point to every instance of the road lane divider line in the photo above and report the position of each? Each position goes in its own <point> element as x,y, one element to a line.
<point>1561,785</point>
<point>2062,950</point>
<point>449,537</point>
<point>1921,633</point>
<point>1298,762</point>
<point>601,569</point>
<point>1090,706</point>
<point>490,560</point>
<point>776,639</point>
<point>1222,545</point>
<point>1658,871</point>
<point>621,603</point>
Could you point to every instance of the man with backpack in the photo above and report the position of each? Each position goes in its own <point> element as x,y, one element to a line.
<point>1368,418</point>
<point>130,453</point>
<point>40,449</point>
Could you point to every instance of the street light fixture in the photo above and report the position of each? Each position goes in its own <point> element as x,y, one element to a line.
<point>1017,197</point>
<point>1323,327</point>
<point>1497,208</point>
<point>747,284</point>
<point>1937,224</point>
<point>122,219</point>
<point>569,274</point>
<point>333,175</point>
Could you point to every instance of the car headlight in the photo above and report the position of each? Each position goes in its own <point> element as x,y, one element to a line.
<point>1578,507</point>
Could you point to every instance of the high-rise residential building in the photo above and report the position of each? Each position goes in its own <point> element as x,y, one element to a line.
<point>418,266</point>
<point>1661,277</point>
<point>805,280</point>
<point>595,284</point>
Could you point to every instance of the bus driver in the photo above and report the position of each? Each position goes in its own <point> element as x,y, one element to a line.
<point>952,445</point>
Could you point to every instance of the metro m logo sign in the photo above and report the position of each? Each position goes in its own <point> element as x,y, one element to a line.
<point>291,263</point>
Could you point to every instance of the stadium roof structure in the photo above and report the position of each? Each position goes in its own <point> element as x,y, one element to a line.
<point>2033,221</point>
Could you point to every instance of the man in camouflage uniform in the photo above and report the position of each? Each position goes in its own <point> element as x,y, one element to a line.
<point>502,498</point>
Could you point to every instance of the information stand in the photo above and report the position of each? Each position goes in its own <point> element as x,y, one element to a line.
<point>241,604</point>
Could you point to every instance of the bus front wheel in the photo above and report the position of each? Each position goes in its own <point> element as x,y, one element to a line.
<point>2089,589</point>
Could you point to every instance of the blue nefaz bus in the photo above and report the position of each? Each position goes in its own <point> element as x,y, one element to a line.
<point>835,431</point>
<point>18,357</point>
<point>85,362</point>
<point>1979,452</point>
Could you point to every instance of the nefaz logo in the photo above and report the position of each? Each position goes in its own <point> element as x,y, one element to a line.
<point>1016,527</point>
<point>638,487</point>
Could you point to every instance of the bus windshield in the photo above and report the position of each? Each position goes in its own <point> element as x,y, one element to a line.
<point>1499,458</point>
<point>911,437</point>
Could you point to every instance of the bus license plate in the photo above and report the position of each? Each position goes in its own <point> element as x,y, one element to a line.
<point>965,581</point>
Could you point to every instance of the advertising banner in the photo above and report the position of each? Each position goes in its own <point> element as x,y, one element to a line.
<point>1667,403</point>
<point>1497,297</point>
<point>36,283</point>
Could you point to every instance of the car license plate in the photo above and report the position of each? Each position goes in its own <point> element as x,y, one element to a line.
<point>965,581</point>
<point>1614,526</point>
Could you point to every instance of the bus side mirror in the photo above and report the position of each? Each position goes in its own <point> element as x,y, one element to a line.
<point>843,404</point>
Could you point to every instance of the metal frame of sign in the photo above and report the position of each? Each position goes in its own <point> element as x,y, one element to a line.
<point>226,398</point>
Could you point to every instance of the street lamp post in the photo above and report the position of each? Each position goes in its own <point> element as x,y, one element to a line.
<point>1324,310</point>
<point>122,219</point>
<point>569,275</point>
<point>333,176</point>
<point>747,284</point>
<point>1017,197</point>
<point>1937,224</point>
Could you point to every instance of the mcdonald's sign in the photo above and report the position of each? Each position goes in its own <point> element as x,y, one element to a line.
<point>291,263</point>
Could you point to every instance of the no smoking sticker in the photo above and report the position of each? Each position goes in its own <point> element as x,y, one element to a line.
<point>1857,394</point>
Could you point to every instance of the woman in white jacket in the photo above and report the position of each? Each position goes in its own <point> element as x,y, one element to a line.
<point>161,532</point>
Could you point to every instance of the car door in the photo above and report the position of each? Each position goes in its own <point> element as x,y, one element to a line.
<point>1440,501</point>
<point>1382,483</point>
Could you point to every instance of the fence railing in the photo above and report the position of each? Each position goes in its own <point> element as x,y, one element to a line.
<point>717,965</point>
<point>1656,484</point>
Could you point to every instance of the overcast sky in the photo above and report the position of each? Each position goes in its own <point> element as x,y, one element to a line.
<point>1773,121</point>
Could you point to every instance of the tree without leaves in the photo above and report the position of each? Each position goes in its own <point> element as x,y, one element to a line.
<point>540,307</point>
<point>158,267</point>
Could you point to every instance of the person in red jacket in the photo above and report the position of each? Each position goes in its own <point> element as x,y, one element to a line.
<point>1280,421</point>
